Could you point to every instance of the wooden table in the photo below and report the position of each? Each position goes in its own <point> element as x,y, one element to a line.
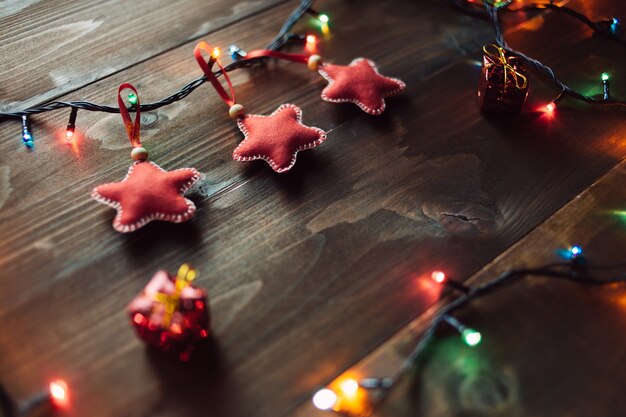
<point>319,271</point>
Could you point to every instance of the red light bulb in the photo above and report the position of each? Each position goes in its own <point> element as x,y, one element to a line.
<point>58,393</point>
<point>550,107</point>
<point>311,40</point>
<point>438,276</point>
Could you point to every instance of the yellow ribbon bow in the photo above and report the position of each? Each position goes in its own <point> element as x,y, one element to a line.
<point>185,276</point>
<point>499,57</point>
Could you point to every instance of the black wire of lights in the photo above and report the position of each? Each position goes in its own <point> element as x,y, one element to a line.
<point>356,398</point>
<point>283,37</point>
<point>609,28</point>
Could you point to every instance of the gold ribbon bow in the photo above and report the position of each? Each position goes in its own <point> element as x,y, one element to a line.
<point>498,57</point>
<point>185,276</point>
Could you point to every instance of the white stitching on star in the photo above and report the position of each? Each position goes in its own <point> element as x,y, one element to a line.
<point>363,107</point>
<point>174,218</point>
<point>266,158</point>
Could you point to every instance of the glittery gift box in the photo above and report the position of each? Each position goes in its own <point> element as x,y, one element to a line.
<point>171,315</point>
<point>503,86</point>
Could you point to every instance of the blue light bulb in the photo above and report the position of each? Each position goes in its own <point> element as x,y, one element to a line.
<point>27,138</point>
<point>614,24</point>
<point>236,53</point>
<point>576,251</point>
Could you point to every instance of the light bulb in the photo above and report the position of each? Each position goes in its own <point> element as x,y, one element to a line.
<point>471,337</point>
<point>58,392</point>
<point>550,107</point>
<point>349,387</point>
<point>324,399</point>
<point>438,276</point>
<point>132,98</point>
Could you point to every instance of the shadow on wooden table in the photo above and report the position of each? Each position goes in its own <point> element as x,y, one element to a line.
<point>204,378</point>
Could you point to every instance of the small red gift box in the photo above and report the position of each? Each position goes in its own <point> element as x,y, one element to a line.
<point>171,314</point>
<point>503,86</point>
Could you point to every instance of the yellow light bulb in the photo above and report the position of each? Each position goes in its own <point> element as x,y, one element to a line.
<point>349,387</point>
<point>216,52</point>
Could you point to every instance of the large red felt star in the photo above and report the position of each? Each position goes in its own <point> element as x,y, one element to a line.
<point>359,83</point>
<point>148,193</point>
<point>276,138</point>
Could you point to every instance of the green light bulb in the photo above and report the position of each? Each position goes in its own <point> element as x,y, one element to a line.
<point>471,337</point>
<point>324,18</point>
<point>605,76</point>
<point>132,98</point>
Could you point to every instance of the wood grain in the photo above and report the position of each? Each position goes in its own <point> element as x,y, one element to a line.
<point>58,46</point>
<point>321,261</point>
<point>550,348</point>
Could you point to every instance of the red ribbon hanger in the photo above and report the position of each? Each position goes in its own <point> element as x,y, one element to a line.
<point>132,128</point>
<point>230,100</point>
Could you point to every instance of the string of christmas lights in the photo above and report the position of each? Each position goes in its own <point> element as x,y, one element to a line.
<point>283,37</point>
<point>575,270</point>
<point>607,27</point>
<point>357,398</point>
<point>56,396</point>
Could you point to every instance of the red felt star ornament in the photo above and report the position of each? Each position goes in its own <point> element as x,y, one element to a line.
<point>359,83</point>
<point>148,193</point>
<point>276,138</point>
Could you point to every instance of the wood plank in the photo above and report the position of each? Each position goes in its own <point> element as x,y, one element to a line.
<point>58,46</point>
<point>294,263</point>
<point>81,256</point>
<point>534,331</point>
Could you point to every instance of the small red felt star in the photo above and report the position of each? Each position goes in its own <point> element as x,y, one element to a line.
<point>359,83</point>
<point>148,193</point>
<point>276,138</point>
